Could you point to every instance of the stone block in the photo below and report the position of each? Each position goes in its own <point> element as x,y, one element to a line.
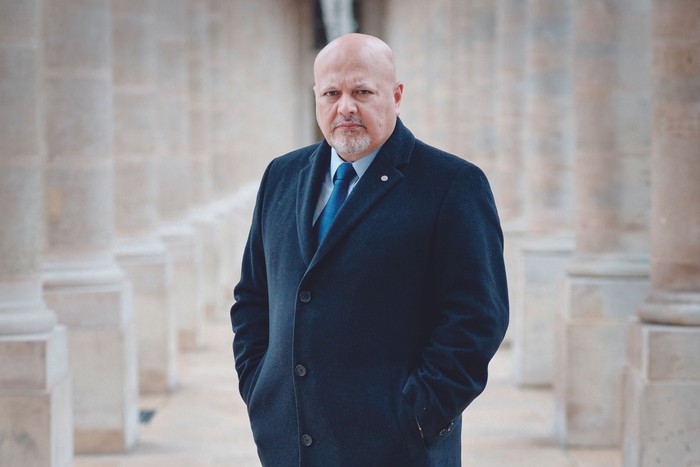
<point>605,296</point>
<point>96,305</point>
<point>19,21</point>
<point>103,366</point>
<point>133,44</point>
<point>185,250</point>
<point>601,295</point>
<point>662,397</point>
<point>134,122</point>
<point>589,380</point>
<point>149,271</point>
<point>35,400</point>
<point>19,97</point>
<point>75,37</point>
<point>512,238</point>
<point>541,298</point>
<point>79,117</point>
<point>207,230</point>
<point>136,189</point>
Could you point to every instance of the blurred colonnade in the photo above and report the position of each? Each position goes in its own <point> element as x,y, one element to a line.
<point>133,134</point>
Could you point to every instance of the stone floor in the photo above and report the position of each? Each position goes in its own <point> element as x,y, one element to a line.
<point>204,424</point>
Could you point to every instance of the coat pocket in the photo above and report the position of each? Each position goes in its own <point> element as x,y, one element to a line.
<point>253,381</point>
<point>411,432</point>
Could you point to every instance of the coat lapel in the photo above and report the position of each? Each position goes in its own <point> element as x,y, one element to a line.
<point>308,190</point>
<point>384,173</point>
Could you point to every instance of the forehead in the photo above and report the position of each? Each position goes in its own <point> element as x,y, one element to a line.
<point>352,78</point>
<point>353,69</point>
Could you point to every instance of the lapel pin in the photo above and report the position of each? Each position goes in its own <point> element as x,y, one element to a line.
<point>384,178</point>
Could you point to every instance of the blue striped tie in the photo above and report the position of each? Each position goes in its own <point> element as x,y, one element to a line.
<point>343,178</point>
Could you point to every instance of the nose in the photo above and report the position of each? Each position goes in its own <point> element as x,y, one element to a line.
<point>346,105</point>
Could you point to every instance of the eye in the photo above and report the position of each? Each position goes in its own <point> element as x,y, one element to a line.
<point>363,92</point>
<point>331,93</point>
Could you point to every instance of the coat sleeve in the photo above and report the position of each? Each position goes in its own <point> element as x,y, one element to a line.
<point>470,304</point>
<point>249,313</point>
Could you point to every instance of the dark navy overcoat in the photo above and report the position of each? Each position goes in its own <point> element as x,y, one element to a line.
<point>365,351</point>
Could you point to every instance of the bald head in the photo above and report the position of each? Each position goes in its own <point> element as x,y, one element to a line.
<point>358,46</point>
<point>357,94</point>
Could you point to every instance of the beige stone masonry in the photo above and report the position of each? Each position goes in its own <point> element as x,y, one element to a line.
<point>607,278</point>
<point>82,281</point>
<point>662,396</point>
<point>175,179</point>
<point>539,296</point>
<point>484,46</point>
<point>35,388</point>
<point>208,222</point>
<point>140,251</point>
<point>36,420</point>
<point>662,401</point>
<point>511,41</point>
<point>548,204</point>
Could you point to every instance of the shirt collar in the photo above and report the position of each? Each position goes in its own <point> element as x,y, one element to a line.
<point>360,165</point>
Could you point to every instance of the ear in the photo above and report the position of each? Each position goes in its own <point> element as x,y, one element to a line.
<point>398,92</point>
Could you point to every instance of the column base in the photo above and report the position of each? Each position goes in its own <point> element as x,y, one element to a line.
<point>96,306</point>
<point>36,419</point>
<point>147,265</point>
<point>602,293</point>
<point>185,250</point>
<point>513,236</point>
<point>672,308</point>
<point>235,213</point>
<point>539,299</point>
<point>662,396</point>
<point>211,238</point>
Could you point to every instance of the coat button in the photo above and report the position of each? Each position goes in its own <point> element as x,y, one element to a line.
<point>305,296</point>
<point>300,370</point>
<point>444,431</point>
<point>306,440</point>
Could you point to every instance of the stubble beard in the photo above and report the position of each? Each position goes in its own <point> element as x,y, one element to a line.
<point>349,144</point>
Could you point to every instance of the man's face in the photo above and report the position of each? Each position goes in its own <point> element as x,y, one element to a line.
<point>357,101</point>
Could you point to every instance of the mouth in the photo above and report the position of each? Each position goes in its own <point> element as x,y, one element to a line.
<point>348,126</point>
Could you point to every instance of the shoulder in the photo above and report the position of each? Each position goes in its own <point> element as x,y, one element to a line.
<point>429,159</point>
<point>283,172</point>
<point>298,158</point>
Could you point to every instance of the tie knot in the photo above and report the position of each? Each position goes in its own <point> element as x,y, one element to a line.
<point>345,172</point>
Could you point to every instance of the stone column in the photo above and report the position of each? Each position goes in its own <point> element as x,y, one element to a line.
<point>174,168</point>
<point>421,39</point>
<point>208,219</point>
<point>36,421</point>
<point>140,251</point>
<point>462,81</point>
<point>548,149</point>
<point>220,145</point>
<point>82,281</point>
<point>483,100</point>
<point>608,276</point>
<point>511,40</point>
<point>662,391</point>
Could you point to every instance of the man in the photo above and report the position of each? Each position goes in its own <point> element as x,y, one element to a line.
<point>360,339</point>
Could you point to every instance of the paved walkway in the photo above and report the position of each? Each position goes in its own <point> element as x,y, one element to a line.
<point>204,424</point>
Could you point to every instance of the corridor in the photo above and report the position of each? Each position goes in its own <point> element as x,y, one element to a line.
<point>204,423</point>
<point>133,138</point>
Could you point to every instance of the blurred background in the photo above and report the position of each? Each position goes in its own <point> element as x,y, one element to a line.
<point>133,134</point>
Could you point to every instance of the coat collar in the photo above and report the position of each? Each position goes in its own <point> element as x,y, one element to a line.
<point>381,176</point>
